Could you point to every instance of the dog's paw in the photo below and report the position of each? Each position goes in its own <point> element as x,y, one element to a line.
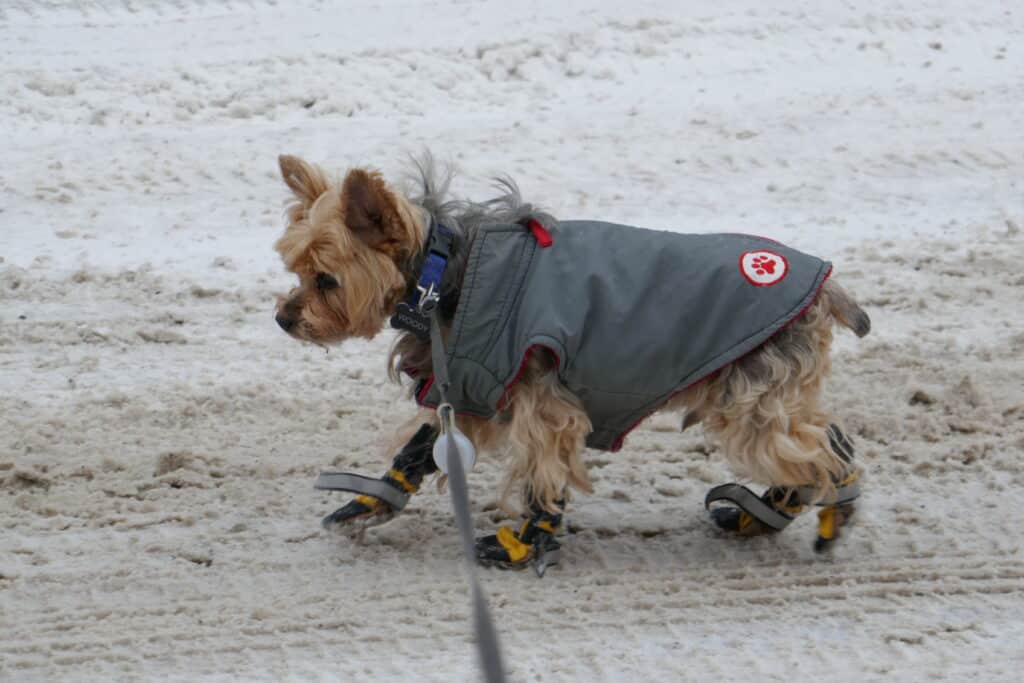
<point>358,515</point>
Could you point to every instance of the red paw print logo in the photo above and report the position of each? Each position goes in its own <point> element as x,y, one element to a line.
<point>763,268</point>
<point>763,265</point>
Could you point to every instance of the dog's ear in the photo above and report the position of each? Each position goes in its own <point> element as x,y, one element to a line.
<point>370,211</point>
<point>305,180</point>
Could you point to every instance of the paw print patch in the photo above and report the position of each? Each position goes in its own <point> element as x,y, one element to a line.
<point>763,268</point>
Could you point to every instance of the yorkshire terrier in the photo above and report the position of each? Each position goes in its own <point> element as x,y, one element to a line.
<point>566,335</point>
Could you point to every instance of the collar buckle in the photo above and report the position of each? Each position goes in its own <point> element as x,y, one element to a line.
<point>430,297</point>
<point>414,313</point>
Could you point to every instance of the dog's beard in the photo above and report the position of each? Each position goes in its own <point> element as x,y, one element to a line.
<point>304,333</point>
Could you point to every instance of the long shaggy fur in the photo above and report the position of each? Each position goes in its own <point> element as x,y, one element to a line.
<point>764,409</point>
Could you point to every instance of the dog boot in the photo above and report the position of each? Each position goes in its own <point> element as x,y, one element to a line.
<point>532,544</point>
<point>409,467</point>
<point>779,506</point>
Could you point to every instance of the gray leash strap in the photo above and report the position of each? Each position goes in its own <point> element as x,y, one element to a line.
<point>356,483</point>
<point>486,635</point>
<point>439,356</point>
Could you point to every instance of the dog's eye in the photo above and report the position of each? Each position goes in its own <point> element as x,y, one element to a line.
<point>325,281</point>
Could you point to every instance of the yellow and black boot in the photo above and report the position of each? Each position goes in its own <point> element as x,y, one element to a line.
<point>748,514</point>
<point>414,462</point>
<point>533,544</point>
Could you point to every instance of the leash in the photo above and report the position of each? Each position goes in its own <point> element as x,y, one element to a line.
<point>449,459</point>
<point>454,455</point>
<point>453,452</point>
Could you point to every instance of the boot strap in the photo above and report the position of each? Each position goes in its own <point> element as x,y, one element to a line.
<point>357,483</point>
<point>750,503</point>
<point>756,507</point>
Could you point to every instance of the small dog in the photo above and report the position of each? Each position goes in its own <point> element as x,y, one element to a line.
<point>566,335</point>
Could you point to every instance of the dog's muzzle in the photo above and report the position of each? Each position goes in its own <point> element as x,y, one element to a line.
<point>287,323</point>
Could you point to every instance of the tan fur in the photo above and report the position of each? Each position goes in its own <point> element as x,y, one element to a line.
<point>543,427</point>
<point>764,409</point>
<point>358,233</point>
<point>546,429</point>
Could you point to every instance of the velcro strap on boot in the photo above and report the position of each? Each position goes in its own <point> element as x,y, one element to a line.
<point>755,506</point>
<point>749,502</point>
<point>357,483</point>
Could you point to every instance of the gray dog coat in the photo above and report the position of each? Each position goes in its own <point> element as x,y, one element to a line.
<point>633,316</point>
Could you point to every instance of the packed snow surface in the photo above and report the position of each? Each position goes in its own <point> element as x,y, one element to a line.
<point>159,435</point>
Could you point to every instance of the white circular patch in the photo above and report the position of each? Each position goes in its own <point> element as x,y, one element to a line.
<point>763,267</point>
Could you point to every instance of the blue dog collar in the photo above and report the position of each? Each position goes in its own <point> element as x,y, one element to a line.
<point>413,314</point>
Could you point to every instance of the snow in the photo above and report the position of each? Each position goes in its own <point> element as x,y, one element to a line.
<point>159,436</point>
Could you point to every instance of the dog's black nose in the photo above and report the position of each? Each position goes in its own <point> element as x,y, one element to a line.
<point>285,322</point>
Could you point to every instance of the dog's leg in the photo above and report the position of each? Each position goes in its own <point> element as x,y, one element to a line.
<point>765,409</point>
<point>786,503</point>
<point>413,462</point>
<point>547,431</point>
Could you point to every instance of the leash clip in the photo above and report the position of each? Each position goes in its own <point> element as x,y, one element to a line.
<point>444,414</point>
<point>451,442</point>
<point>429,298</point>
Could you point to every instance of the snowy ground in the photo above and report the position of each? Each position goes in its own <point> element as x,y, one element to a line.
<point>159,437</point>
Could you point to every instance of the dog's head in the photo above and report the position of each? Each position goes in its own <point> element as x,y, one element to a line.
<point>347,243</point>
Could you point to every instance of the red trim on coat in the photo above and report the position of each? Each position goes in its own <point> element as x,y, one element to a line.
<point>503,401</point>
<point>422,395</point>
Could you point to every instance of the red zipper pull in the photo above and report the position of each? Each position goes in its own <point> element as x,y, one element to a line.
<point>540,233</point>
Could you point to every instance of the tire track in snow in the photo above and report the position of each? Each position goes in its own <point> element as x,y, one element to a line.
<point>206,626</point>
